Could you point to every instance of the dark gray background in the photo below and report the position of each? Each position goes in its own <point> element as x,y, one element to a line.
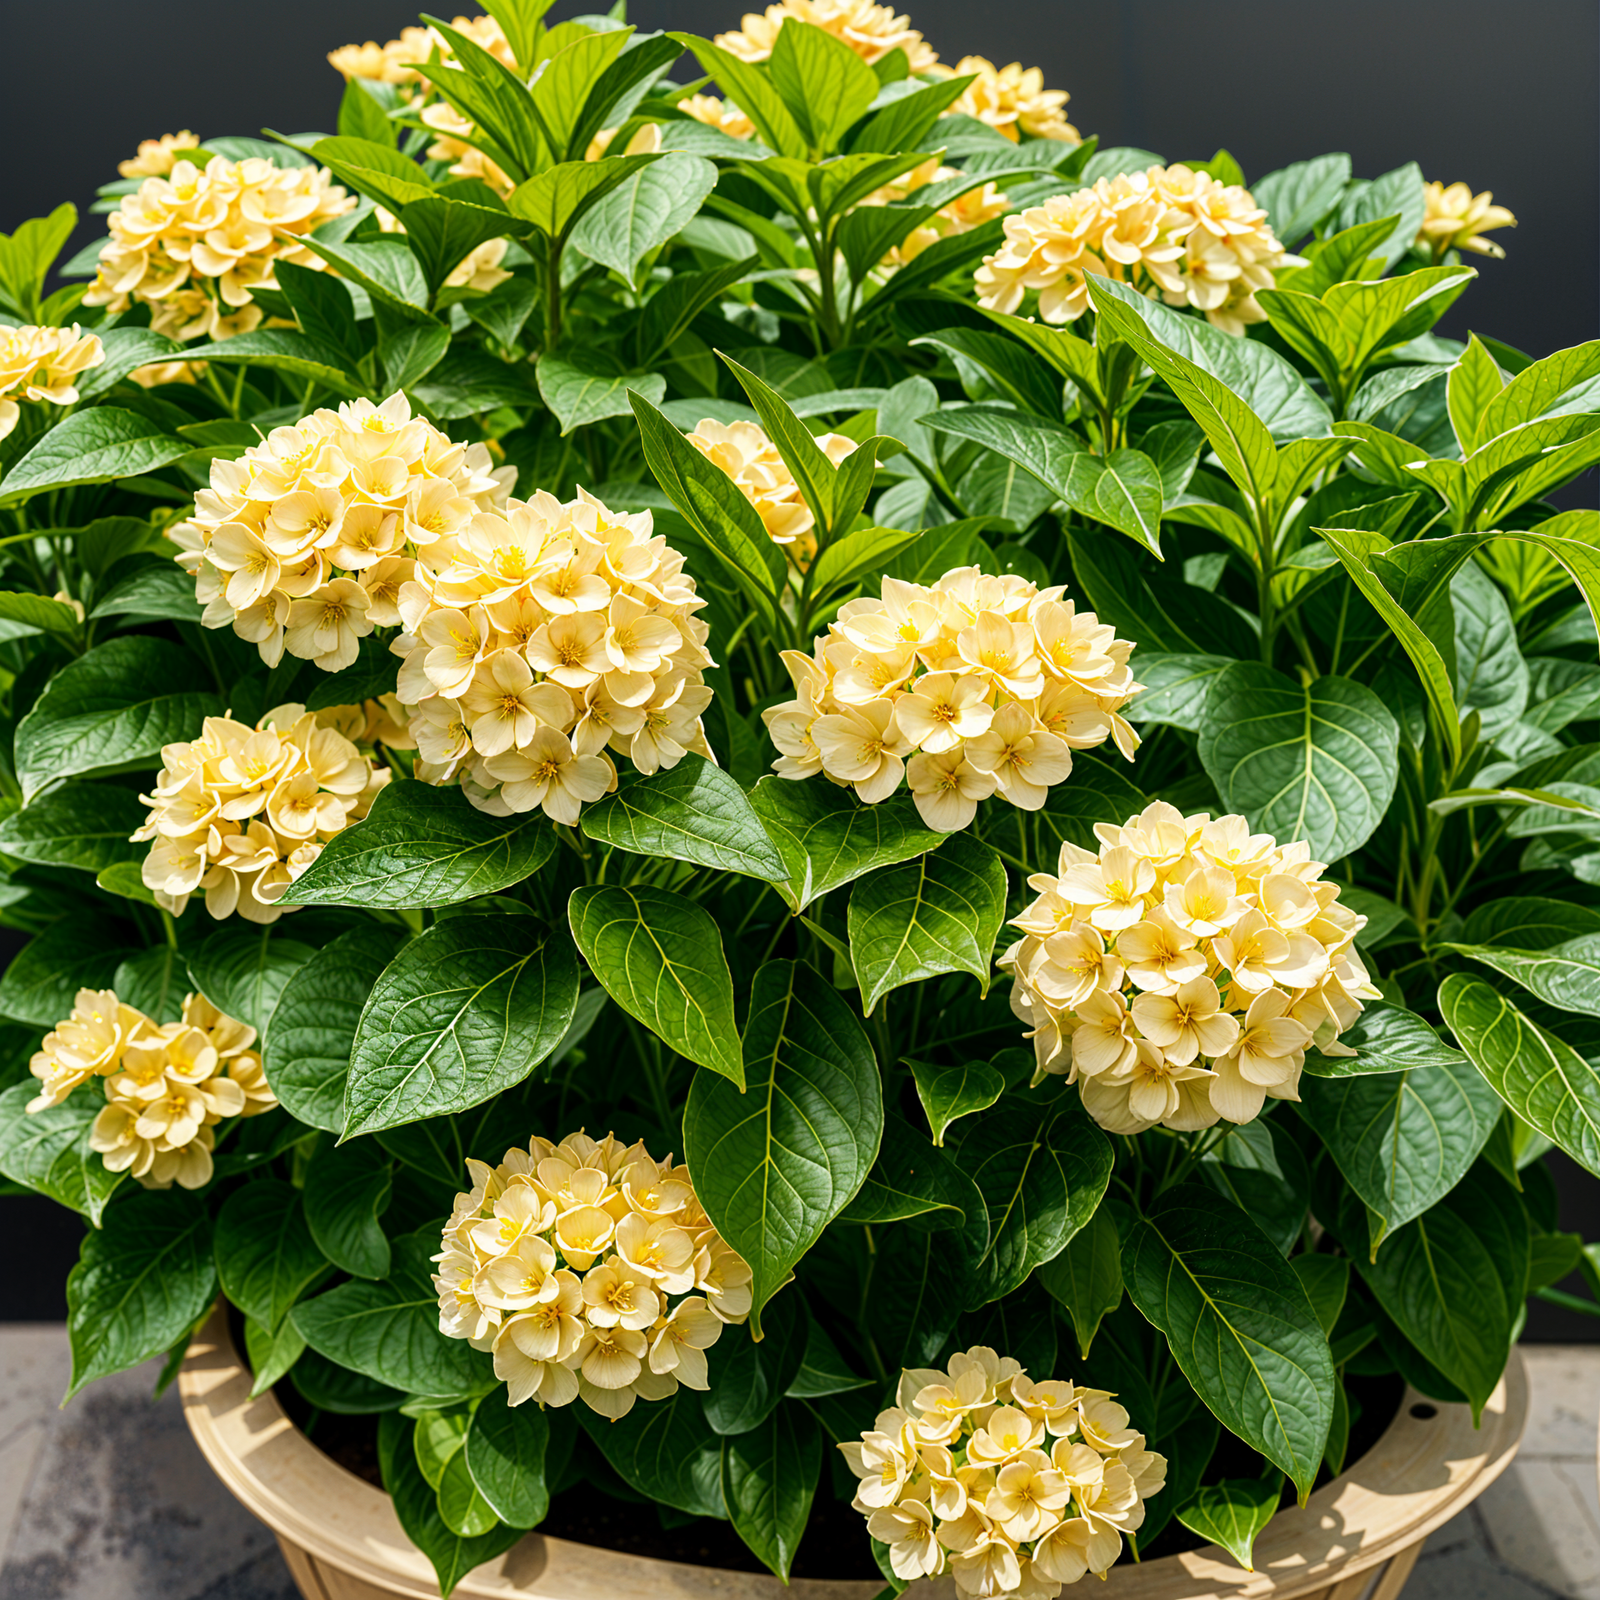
<point>1502,94</point>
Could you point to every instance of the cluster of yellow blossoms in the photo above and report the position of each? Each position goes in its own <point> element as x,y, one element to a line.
<point>193,244</point>
<point>167,1085</point>
<point>304,541</point>
<point>966,212</point>
<point>538,636</point>
<point>991,681</point>
<point>241,812</point>
<point>872,31</point>
<point>1168,231</point>
<point>1185,941</point>
<point>590,1270</point>
<point>1016,1487</point>
<point>43,363</point>
<point>1456,219</point>
<point>723,115</point>
<point>397,61</point>
<point>157,157</point>
<point>1012,100</point>
<point>749,457</point>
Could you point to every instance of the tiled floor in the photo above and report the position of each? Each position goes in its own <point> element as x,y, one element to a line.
<point>109,1499</point>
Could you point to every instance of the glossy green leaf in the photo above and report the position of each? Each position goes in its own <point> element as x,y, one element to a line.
<point>314,1023</point>
<point>35,612</point>
<point>287,350</point>
<point>823,82</point>
<point>1238,1322</point>
<point>749,1379</point>
<point>912,1178</point>
<point>583,387</point>
<point>646,209</point>
<point>80,825</point>
<point>466,1010</point>
<point>558,198</point>
<point>142,1281</point>
<point>1302,762</point>
<point>1298,197</point>
<point>346,1190</point>
<point>1547,1083</point>
<point>1233,1514</point>
<point>691,812</point>
<point>947,1093</point>
<point>41,982</point>
<point>775,1164</point>
<point>266,1256</point>
<point>938,913</point>
<point>665,1451</point>
<point>271,1355</point>
<point>1491,676</point>
<point>244,973</point>
<point>659,956</point>
<point>157,591</point>
<point>424,846</point>
<point>118,704</point>
<point>1565,975</point>
<point>49,1150</point>
<point>1327,1280</point>
<point>505,1453</point>
<point>827,837</point>
<point>93,446</point>
<point>1086,1278</point>
<point>1175,687</point>
<point>769,1478</point>
<point>1386,1038</point>
<point>1042,1166</point>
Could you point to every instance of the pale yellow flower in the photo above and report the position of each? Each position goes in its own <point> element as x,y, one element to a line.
<point>722,115</point>
<point>43,364</point>
<point>157,157</point>
<point>1457,219</point>
<point>1010,99</point>
<point>871,30</point>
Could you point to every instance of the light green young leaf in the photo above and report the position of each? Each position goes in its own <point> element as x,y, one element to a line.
<point>1475,383</point>
<point>1233,1514</point>
<point>823,82</point>
<point>644,211</point>
<point>947,1093</point>
<point>556,200</point>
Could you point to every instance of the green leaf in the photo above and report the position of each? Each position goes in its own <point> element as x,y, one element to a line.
<point>749,1379</point>
<point>27,255</point>
<point>161,591</point>
<point>1565,975</point>
<point>1402,1140</point>
<point>505,1453</point>
<point>644,211</point>
<point>38,614</point>
<point>119,703</point>
<point>664,1451</point>
<point>582,387</point>
<point>947,1093</point>
<point>79,825</point>
<point>659,956</point>
<point>691,812</point>
<point>370,164</point>
<point>905,123</point>
<point>751,89</point>
<point>266,1256</point>
<point>1547,1083</point>
<point>1238,1323</point>
<point>769,1476</point>
<point>1296,198</point>
<point>1397,194</point>
<point>141,1283</point>
<point>1086,1278</point>
<point>409,351</point>
<point>94,446</point>
<point>124,878</point>
<point>1042,1166</point>
<point>49,1150</point>
<point>938,913</point>
<point>827,837</point>
<point>558,198</point>
<point>823,1371</point>
<point>910,1178</point>
<point>416,1504</point>
<point>41,981</point>
<point>863,554</point>
<point>1175,688</point>
<point>346,1191</point>
<point>314,1024</point>
<point>1385,1038</point>
<point>823,82</point>
<point>1233,1513</point>
<point>385,268</point>
<point>244,973</point>
<point>774,1164</point>
<point>466,1010</point>
<point>1491,676</point>
<point>390,1330</point>
<point>283,350</point>
<point>1097,792</point>
<point>271,1355</point>
<point>424,846</point>
<point>1326,1280</point>
<point>1315,762</point>
<point>1454,1281</point>
<point>362,114</point>
<point>1475,382</point>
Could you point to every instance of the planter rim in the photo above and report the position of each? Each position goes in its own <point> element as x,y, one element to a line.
<point>1420,1473</point>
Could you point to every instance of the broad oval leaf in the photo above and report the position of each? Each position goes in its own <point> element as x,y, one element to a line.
<point>466,1010</point>
<point>769,1478</point>
<point>584,388</point>
<point>119,703</point>
<point>947,1093</point>
<point>1402,1140</point>
<point>314,1023</point>
<point>505,1452</point>
<point>775,1164</point>
<point>41,981</point>
<point>424,846</point>
<point>1385,1038</point>
<point>665,1451</point>
<point>92,446</point>
<point>1565,975</point>
<point>827,837</point>
<point>346,1190</point>
<point>691,812</point>
<point>938,913</point>
<point>1540,1076</point>
<point>749,1378</point>
<point>1086,1278</point>
<point>142,1282</point>
<point>1042,1166</point>
<point>266,1256</point>
<point>80,825</point>
<point>1175,688</point>
<point>49,1150</point>
<point>659,956</point>
<point>1316,762</point>
<point>1238,1322</point>
<point>644,211</point>
<point>244,973</point>
<point>1233,1513</point>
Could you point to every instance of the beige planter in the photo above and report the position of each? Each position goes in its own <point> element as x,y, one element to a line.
<point>1357,1539</point>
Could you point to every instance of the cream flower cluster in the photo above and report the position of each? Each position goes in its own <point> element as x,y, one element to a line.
<point>193,245</point>
<point>1015,1487</point>
<point>397,61</point>
<point>1168,231</point>
<point>167,1085</point>
<point>241,812</point>
<point>591,1271</point>
<point>43,364</point>
<point>986,684</point>
<point>303,542</point>
<point>872,31</point>
<point>1012,100</point>
<point>1180,974</point>
<point>749,457</point>
<point>157,157</point>
<point>539,636</point>
<point>1456,219</point>
<point>963,214</point>
<point>723,115</point>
